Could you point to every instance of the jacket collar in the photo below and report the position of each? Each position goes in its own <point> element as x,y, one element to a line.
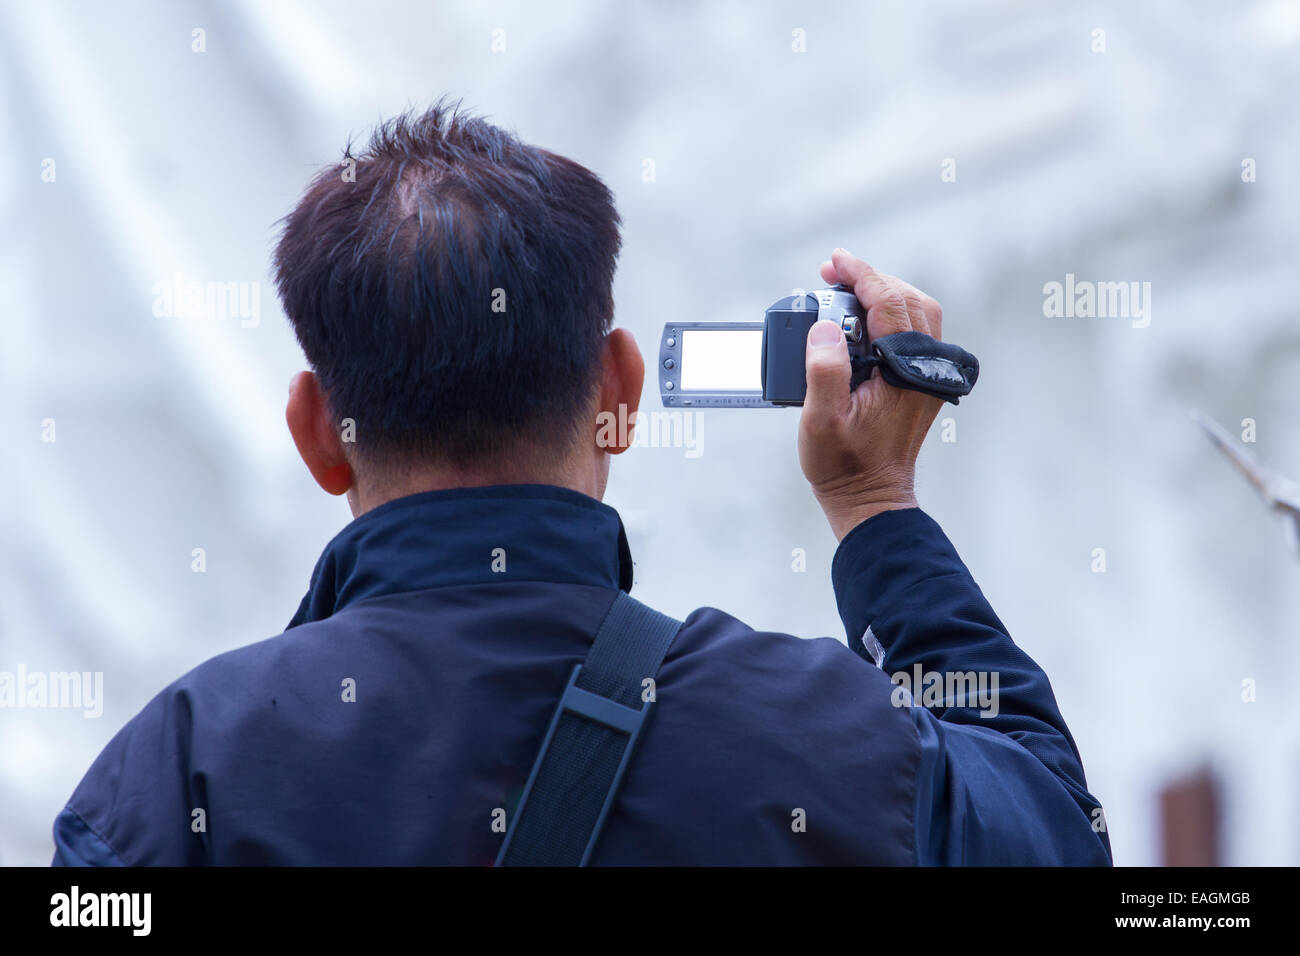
<point>447,538</point>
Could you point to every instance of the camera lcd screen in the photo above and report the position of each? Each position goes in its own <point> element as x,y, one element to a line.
<point>722,359</point>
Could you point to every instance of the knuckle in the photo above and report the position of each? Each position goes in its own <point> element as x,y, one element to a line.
<point>822,361</point>
<point>870,287</point>
<point>934,312</point>
<point>893,306</point>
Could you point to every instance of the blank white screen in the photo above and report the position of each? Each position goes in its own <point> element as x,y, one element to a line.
<point>722,359</point>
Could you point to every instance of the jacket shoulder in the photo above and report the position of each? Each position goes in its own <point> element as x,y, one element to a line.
<point>787,750</point>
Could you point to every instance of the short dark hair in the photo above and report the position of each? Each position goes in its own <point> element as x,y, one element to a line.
<point>395,267</point>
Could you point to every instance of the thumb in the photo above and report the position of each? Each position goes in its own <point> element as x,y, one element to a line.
<point>829,373</point>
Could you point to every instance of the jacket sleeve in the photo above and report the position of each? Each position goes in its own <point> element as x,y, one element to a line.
<point>134,806</point>
<point>76,844</point>
<point>1000,779</point>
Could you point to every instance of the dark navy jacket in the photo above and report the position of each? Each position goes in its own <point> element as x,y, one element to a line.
<point>765,748</point>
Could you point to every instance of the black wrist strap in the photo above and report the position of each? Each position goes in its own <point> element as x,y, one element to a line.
<point>916,361</point>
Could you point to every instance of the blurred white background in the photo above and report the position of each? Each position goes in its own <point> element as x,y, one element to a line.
<point>1122,165</point>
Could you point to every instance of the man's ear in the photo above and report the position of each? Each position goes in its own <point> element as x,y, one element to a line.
<point>620,390</point>
<point>316,436</point>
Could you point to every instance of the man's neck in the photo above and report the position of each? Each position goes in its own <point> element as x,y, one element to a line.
<point>588,477</point>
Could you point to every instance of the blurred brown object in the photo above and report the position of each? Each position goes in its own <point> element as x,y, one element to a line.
<point>1190,820</point>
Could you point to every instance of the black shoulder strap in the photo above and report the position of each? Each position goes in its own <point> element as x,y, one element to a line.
<point>591,740</point>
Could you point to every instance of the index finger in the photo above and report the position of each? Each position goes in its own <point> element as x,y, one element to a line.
<point>884,298</point>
